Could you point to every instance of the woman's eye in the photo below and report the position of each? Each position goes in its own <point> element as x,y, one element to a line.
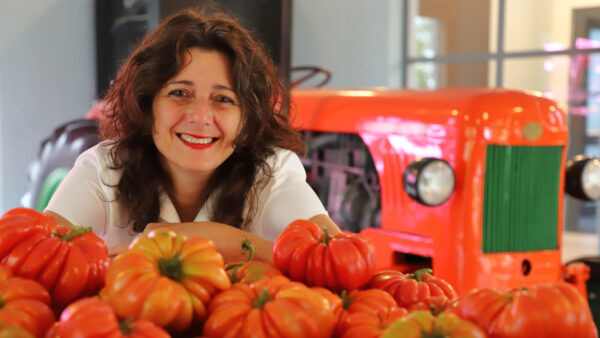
<point>224,99</point>
<point>178,93</point>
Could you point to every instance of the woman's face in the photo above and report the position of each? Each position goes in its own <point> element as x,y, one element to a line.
<point>197,114</point>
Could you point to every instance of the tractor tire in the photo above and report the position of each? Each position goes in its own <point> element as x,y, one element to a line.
<point>56,156</point>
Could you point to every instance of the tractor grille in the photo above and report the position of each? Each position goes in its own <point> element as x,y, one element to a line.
<point>520,206</point>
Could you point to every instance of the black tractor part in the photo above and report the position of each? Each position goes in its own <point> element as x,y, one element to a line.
<point>56,157</point>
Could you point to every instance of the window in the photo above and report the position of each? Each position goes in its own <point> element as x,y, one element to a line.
<point>552,47</point>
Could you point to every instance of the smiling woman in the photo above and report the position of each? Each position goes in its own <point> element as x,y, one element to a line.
<point>197,116</point>
<point>196,139</point>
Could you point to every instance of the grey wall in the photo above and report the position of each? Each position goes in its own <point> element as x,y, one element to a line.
<point>358,41</point>
<point>47,75</point>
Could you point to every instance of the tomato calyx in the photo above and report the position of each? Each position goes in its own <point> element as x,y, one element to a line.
<point>434,334</point>
<point>75,231</point>
<point>418,275</point>
<point>262,299</point>
<point>125,326</point>
<point>171,268</point>
<point>325,238</point>
<point>346,299</point>
<point>246,247</point>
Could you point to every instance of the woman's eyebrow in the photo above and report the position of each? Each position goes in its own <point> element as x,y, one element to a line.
<point>224,87</point>
<point>191,83</point>
<point>185,82</point>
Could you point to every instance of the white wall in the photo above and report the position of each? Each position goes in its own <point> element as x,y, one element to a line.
<point>47,75</point>
<point>359,42</point>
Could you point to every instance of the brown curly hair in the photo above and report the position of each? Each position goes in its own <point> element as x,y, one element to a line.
<point>129,118</point>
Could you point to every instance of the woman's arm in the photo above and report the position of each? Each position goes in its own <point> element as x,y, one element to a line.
<point>227,239</point>
<point>58,218</point>
<point>323,221</point>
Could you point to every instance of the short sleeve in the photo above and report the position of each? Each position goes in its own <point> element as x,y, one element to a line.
<point>80,198</point>
<point>286,197</point>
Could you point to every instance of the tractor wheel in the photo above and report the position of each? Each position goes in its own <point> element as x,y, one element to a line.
<point>56,157</point>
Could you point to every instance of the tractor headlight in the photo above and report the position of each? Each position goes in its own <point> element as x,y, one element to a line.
<point>582,178</point>
<point>429,181</point>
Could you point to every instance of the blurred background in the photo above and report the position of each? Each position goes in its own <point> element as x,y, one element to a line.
<point>57,58</point>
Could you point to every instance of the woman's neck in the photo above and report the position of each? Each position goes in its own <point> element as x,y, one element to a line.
<point>185,192</point>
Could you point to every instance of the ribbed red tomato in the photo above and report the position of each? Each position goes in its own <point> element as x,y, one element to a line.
<point>69,262</point>
<point>413,290</point>
<point>367,313</point>
<point>24,304</point>
<point>546,310</point>
<point>91,317</point>
<point>306,253</point>
<point>270,307</point>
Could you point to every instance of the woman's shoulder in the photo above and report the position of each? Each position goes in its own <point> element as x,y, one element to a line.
<point>282,156</point>
<point>99,160</point>
<point>285,161</point>
<point>99,154</point>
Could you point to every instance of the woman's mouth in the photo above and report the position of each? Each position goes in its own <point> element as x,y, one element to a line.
<point>196,140</point>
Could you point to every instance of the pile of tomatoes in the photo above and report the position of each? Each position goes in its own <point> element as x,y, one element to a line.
<point>59,282</point>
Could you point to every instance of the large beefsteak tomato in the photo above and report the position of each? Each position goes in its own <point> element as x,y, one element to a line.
<point>545,310</point>
<point>91,317</point>
<point>24,304</point>
<point>367,313</point>
<point>306,253</point>
<point>166,278</point>
<point>270,307</point>
<point>69,262</point>
<point>418,290</point>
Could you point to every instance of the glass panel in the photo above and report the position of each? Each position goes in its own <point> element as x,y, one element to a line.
<point>431,75</point>
<point>451,27</point>
<point>549,25</point>
<point>574,83</point>
<point>547,75</point>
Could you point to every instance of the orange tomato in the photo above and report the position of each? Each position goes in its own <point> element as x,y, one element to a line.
<point>91,317</point>
<point>167,279</point>
<point>545,310</point>
<point>24,304</point>
<point>424,324</point>
<point>270,307</point>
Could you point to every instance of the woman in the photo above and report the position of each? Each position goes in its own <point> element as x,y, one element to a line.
<point>197,139</point>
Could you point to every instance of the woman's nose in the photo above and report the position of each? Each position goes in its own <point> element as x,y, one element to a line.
<point>200,112</point>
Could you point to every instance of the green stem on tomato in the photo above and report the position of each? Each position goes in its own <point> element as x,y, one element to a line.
<point>326,237</point>
<point>419,273</point>
<point>246,247</point>
<point>75,231</point>
<point>346,299</point>
<point>262,299</point>
<point>124,326</point>
<point>172,268</point>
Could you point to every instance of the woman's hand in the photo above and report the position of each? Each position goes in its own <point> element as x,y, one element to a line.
<point>227,239</point>
<point>116,250</point>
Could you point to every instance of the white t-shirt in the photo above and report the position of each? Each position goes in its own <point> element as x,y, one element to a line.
<point>86,197</point>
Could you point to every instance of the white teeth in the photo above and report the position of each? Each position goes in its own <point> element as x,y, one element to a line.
<point>194,140</point>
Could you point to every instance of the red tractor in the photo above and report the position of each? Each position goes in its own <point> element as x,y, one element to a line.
<point>469,182</point>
